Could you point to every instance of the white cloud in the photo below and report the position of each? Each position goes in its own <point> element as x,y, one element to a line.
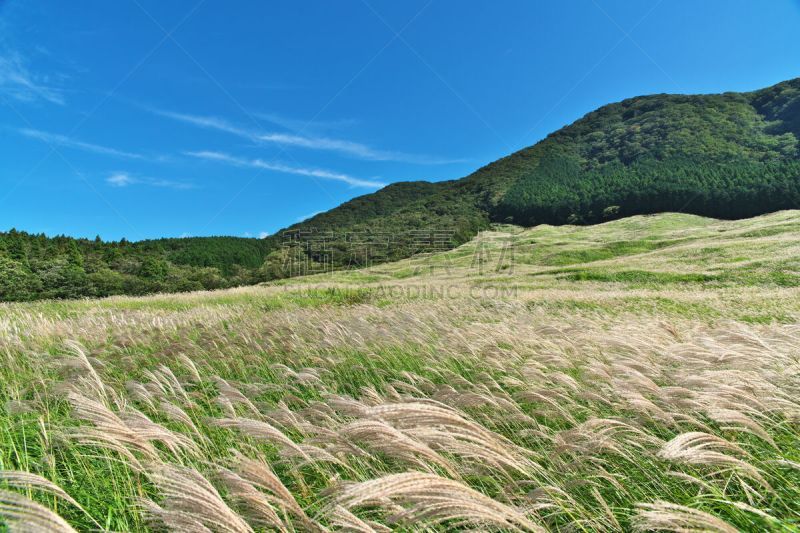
<point>286,169</point>
<point>123,179</point>
<point>263,235</point>
<point>321,143</point>
<point>296,125</point>
<point>340,146</point>
<point>69,142</point>
<point>120,180</point>
<point>310,215</point>
<point>19,83</point>
<point>212,123</point>
<point>350,148</point>
<point>169,184</point>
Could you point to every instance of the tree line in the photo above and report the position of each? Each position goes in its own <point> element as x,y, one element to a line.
<point>36,266</point>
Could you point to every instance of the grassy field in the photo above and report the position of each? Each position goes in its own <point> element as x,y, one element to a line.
<point>641,374</point>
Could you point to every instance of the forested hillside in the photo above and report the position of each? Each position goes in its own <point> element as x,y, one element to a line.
<point>35,266</point>
<point>731,155</point>
<point>726,156</point>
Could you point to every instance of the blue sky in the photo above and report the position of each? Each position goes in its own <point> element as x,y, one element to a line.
<point>143,118</point>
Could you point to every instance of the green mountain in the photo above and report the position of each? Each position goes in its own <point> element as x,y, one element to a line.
<point>731,155</point>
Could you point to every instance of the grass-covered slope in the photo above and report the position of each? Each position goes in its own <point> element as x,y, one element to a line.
<point>639,374</point>
<point>631,262</point>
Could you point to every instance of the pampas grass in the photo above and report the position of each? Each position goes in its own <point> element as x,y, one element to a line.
<point>427,499</point>
<point>563,406</point>
<point>664,516</point>
<point>26,516</point>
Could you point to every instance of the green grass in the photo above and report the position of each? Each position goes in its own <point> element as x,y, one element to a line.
<point>661,333</point>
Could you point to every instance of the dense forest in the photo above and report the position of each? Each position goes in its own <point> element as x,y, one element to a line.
<point>731,155</point>
<point>726,156</point>
<point>35,266</point>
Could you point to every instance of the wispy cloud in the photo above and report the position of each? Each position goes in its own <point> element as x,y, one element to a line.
<point>300,125</point>
<point>120,180</point>
<point>261,235</point>
<point>286,169</point>
<point>123,179</point>
<point>310,215</point>
<point>18,82</point>
<point>340,146</point>
<point>212,123</point>
<point>349,148</point>
<point>69,142</point>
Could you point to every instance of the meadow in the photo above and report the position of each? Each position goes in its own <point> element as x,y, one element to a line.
<point>642,374</point>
